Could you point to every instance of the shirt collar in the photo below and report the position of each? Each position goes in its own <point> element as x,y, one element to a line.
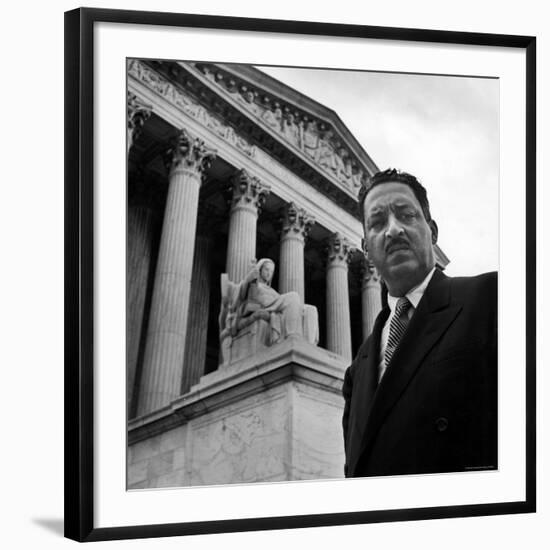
<point>414,295</point>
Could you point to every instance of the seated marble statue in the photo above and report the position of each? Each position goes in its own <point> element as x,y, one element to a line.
<point>253,299</point>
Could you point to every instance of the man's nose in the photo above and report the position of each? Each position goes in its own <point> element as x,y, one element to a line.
<point>394,227</point>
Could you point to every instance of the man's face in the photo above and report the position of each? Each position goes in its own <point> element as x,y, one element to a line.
<point>398,238</point>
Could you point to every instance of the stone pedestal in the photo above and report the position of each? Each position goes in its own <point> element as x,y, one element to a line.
<point>295,225</point>
<point>371,298</point>
<point>247,194</point>
<point>273,417</point>
<point>164,353</point>
<point>338,313</point>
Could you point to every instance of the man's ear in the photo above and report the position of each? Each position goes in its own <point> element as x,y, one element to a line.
<point>434,230</point>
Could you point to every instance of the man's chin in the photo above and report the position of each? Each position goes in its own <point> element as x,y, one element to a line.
<point>401,261</point>
<point>404,273</point>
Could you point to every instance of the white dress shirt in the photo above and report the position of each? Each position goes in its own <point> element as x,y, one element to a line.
<point>414,296</point>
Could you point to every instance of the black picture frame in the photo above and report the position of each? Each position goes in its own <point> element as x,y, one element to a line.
<point>79,270</point>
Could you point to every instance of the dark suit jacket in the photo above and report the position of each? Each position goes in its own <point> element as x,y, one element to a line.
<point>435,409</point>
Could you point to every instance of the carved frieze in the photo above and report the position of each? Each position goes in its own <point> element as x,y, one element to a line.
<point>314,137</point>
<point>333,169</point>
<point>188,105</point>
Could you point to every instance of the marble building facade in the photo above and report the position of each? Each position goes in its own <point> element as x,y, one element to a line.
<point>227,165</point>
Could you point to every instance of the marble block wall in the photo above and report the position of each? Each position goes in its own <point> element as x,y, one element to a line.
<point>158,461</point>
<point>317,436</point>
<point>280,420</point>
<point>242,443</point>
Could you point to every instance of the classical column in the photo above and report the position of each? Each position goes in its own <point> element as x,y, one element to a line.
<point>138,113</point>
<point>247,195</point>
<point>197,330</point>
<point>141,220</point>
<point>371,297</point>
<point>338,315</point>
<point>165,347</point>
<point>295,225</point>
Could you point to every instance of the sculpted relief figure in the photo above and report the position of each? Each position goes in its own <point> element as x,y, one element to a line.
<point>232,137</point>
<point>351,171</point>
<point>235,90</point>
<point>326,156</point>
<point>253,299</point>
<point>247,97</point>
<point>291,130</point>
<point>357,177</point>
<point>209,73</point>
<point>273,118</point>
<point>217,125</point>
<point>339,166</point>
<point>310,139</point>
<point>348,169</point>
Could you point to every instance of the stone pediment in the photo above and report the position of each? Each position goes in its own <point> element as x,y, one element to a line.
<point>303,135</point>
<point>250,109</point>
<point>303,123</point>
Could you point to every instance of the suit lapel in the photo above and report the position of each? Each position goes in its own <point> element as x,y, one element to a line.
<point>365,387</point>
<point>430,321</point>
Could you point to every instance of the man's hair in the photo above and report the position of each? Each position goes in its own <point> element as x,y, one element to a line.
<point>395,176</point>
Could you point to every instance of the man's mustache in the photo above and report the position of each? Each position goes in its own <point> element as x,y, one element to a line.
<point>396,243</point>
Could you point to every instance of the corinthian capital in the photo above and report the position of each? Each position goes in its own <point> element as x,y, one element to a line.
<point>247,190</point>
<point>295,221</point>
<point>339,250</point>
<point>188,153</point>
<point>138,113</point>
<point>369,274</point>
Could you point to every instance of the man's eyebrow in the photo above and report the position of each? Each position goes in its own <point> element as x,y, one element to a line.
<point>375,210</point>
<point>403,205</point>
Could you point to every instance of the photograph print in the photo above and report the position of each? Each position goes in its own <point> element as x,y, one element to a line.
<point>312,260</point>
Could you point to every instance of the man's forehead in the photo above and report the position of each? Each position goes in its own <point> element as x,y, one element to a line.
<point>389,193</point>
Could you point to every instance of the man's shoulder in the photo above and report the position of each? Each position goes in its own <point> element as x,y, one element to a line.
<point>483,280</point>
<point>479,288</point>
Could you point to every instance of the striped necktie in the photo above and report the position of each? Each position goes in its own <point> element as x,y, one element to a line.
<point>398,325</point>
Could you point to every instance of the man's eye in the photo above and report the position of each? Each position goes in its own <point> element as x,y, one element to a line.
<point>375,224</point>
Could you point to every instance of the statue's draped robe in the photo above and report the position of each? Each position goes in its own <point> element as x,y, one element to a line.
<point>284,309</point>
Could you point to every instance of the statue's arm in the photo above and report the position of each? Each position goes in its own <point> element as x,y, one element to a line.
<point>252,276</point>
<point>229,302</point>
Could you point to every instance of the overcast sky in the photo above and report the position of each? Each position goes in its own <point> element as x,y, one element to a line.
<point>444,130</point>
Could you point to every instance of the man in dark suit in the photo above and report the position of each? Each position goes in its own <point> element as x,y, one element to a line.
<point>421,394</point>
